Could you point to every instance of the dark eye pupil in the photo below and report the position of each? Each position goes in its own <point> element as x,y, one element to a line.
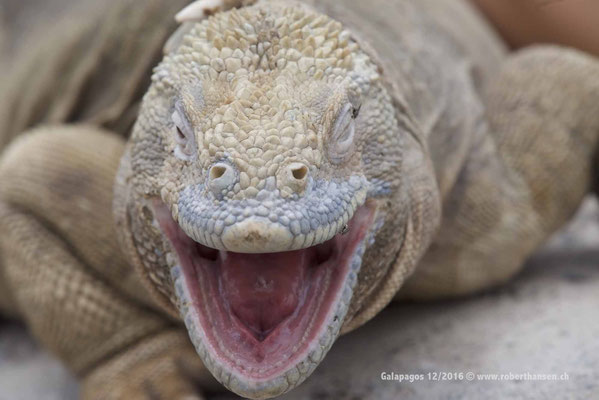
<point>355,111</point>
<point>180,134</point>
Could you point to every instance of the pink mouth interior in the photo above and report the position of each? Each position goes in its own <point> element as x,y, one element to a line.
<point>260,312</point>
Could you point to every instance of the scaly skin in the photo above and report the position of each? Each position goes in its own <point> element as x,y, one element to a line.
<point>279,127</point>
<point>265,106</point>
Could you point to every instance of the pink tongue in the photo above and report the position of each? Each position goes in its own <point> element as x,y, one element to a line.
<point>263,289</point>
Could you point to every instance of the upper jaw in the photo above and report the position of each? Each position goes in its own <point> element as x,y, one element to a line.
<point>191,281</point>
<point>269,223</point>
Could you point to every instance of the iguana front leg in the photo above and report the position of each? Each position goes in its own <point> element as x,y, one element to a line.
<point>66,276</point>
<point>526,175</point>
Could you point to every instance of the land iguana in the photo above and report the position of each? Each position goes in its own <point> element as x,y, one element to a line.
<point>293,167</point>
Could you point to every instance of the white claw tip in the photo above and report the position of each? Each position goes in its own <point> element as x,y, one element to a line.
<point>198,10</point>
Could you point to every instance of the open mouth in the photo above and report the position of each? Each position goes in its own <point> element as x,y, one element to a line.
<point>259,315</point>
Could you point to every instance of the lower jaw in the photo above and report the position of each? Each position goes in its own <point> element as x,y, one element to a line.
<point>247,378</point>
<point>289,353</point>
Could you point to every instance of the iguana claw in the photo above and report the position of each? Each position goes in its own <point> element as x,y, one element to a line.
<point>200,9</point>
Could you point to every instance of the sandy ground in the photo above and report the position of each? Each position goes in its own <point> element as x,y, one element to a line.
<point>544,322</point>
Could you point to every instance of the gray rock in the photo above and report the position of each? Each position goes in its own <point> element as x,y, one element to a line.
<point>27,372</point>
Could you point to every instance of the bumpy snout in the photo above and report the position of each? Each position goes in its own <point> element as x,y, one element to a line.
<point>291,211</point>
<point>262,231</point>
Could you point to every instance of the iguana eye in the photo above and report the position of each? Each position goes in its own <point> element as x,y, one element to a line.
<point>185,142</point>
<point>342,138</point>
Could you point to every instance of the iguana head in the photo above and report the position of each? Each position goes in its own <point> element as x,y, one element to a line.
<point>264,191</point>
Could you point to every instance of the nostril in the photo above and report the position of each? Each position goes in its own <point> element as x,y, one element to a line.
<point>217,171</point>
<point>221,176</point>
<point>299,171</point>
<point>293,178</point>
